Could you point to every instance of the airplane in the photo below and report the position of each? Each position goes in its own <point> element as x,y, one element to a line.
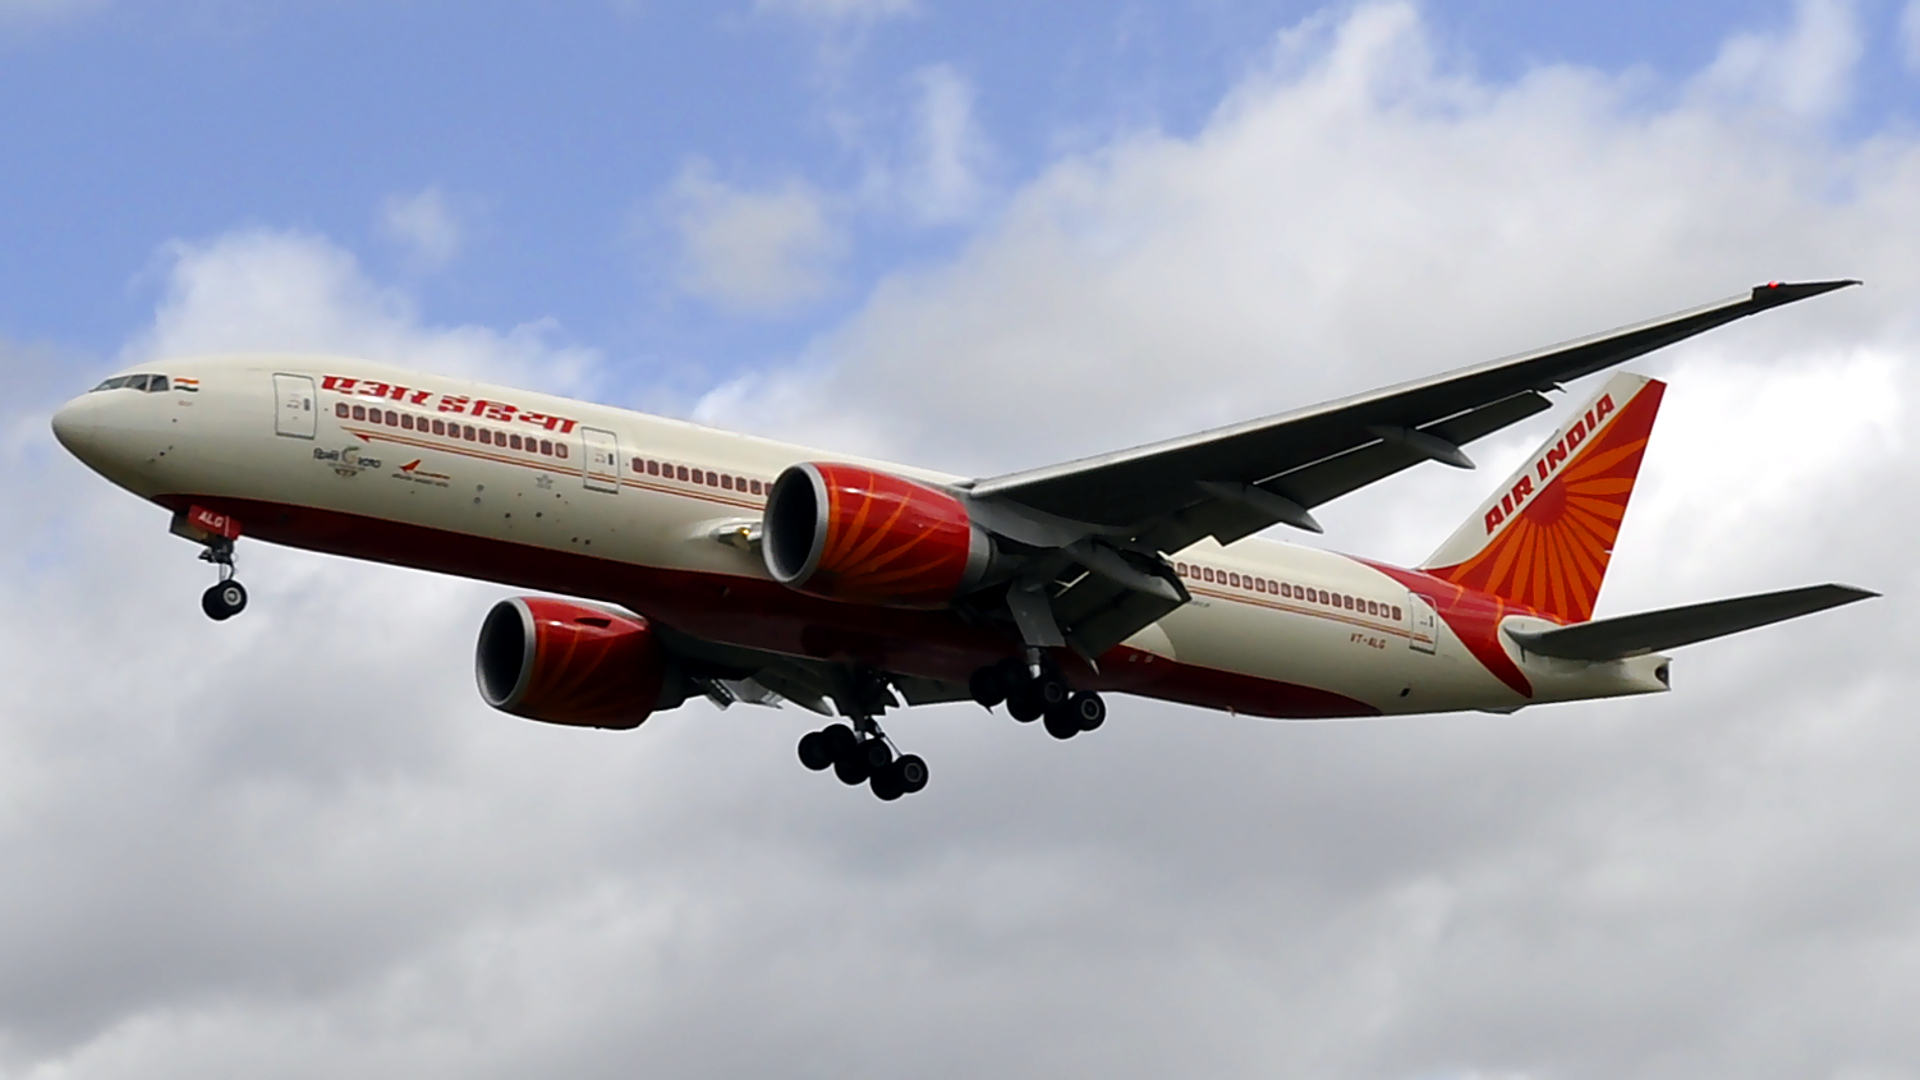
<point>743,570</point>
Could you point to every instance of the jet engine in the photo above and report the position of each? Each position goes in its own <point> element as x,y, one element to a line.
<point>565,663</point>
<point>847,532</point>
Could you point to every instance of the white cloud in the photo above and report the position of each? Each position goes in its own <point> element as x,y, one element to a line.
<point>1806,71</point>
<point>752,252</point>
<point>947,149</point>
<point>426,225</point>
<point>265,290</point>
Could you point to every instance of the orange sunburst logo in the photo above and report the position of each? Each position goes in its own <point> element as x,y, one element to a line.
<point>1555,531</point>
<point>890,540</point>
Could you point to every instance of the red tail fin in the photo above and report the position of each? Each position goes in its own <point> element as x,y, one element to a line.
<point>1543,540</point>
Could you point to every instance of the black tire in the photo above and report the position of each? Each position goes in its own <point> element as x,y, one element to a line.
<point>1025,706</point>
<point>886,785</point>
<point>224,601</point>
<point>1089,710</point>
<point>1051,689</point>
<point>911,772</point>
<point>878,754</point>
<point>987,686</point>
<point>814,751</point>
<point>1062,724</point>
<point>839,740</point>
<point>852,769</point>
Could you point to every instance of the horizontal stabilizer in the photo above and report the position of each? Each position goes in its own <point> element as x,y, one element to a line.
<point>1654,631</point>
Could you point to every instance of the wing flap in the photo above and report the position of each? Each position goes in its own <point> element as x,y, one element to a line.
<point>1657,631</point>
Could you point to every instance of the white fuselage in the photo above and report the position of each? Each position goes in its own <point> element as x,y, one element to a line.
<point>652,513</point>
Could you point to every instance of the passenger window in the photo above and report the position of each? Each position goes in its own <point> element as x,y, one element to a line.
<point>1396,613</point>
<point>559,449</point>
<point>406,421</point>
<point>439,427</point>
<point>727,482</point>
<point>546,447</point>
<point>340,410</point>
<point>653,468</point>
<point>680,472</point>
<point>393,418</point>
<point>756,487</point>
<point>486,436</point>
<point>359,412</point>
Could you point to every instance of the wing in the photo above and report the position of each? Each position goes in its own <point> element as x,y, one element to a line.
<point>1094,530</point>
<point>1235,480</point>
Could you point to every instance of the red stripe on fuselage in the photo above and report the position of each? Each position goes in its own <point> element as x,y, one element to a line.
<point>759,613</point>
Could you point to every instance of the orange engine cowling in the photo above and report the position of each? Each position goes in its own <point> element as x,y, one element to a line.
<point>846,532</point>
<point>567,663</point>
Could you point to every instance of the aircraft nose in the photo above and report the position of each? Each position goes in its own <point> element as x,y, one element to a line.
<point>77,428</point>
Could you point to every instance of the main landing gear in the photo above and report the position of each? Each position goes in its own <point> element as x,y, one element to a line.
<point>862,754</point>
<point>1032,695</point>
<point>228,597</point>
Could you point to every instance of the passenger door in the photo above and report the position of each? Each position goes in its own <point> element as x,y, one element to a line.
<point>1422,622</point>
<point>294,413</point>
<point>602,460</point>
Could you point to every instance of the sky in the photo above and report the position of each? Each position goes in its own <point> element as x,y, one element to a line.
<point>976,238</point>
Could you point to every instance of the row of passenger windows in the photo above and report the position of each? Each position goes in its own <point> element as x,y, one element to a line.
<point>152,384</point>
<point>1287,590</point>
<point>668,470</point>
<point>483,435</point>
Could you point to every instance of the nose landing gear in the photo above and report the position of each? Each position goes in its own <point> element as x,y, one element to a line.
<point>227,597</point>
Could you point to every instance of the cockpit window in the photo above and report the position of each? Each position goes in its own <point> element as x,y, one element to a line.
<point>152,384</point>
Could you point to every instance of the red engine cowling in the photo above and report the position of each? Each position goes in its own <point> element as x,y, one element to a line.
<point>566,663</point>
<point>846,532</point>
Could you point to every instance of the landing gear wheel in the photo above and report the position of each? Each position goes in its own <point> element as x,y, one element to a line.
<point>988,686</point>
<point>1062,723</point>
<point>1088,709</point>
<point>886,785</point>
<point>838,739</point>
<point>815,752</point>
<point>1051,689</point>
<point>224,601</point>
<point>911,772</point>
<point>1024,705</point>
<point>878,755</point>
<point>849,754</point>
<point>852,769</point>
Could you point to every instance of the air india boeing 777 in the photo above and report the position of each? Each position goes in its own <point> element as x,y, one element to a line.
<point>744,570</point>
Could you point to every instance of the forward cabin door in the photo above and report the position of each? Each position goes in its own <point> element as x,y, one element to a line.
<point>1425,626</point>
<point>294,414</point>
<point>603,460</point>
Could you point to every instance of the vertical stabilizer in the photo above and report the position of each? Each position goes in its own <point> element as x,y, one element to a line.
<point>1544,538</point>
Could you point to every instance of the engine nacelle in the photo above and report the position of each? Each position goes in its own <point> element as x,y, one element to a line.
<point>846,532</point>
<point>566,663</point>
